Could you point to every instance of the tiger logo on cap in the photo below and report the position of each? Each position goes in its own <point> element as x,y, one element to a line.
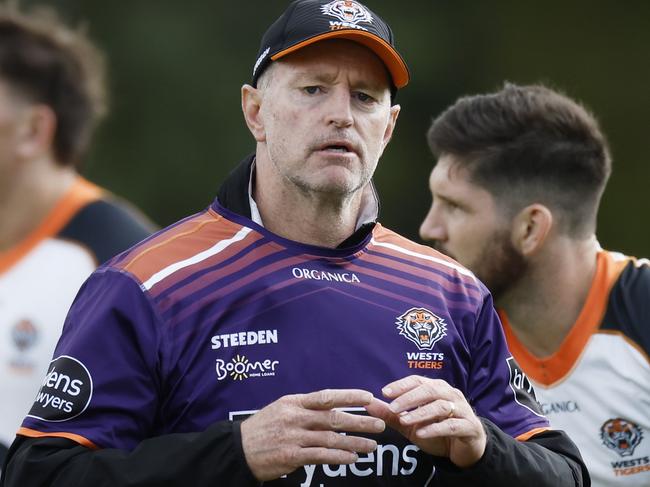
<point>347,11</point>
<point>422,327</point>
<point>621,435</point>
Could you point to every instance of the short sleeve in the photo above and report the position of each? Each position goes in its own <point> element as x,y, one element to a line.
<point>498,388</point>
<point>102,386</point>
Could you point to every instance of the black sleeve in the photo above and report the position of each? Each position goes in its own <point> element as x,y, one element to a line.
<point>628,307</point>
<point>107,227</point>
<point>210,458</point>
<point>3,454</point>
<point>549,459</point>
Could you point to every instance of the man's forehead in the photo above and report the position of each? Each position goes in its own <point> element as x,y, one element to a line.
<point>449,167</point>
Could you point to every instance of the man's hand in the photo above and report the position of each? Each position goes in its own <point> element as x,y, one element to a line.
<point>434,416</point>
<point>303,429</point>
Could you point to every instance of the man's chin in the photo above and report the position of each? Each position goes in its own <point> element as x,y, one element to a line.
<point>330,187</point>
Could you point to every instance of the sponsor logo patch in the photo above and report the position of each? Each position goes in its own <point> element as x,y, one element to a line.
<point>425,360</point>
<point>394,462</point>
<point>260,59</point>
<point>244,338</point>
<point>422,327</point>
<point>632,466</point>
<point>24,335</point>
<point>522,387</point>
<point>560,407</point>
<point>621,435</point>
<point>317,275</point>
<point>349,12</point>
<point>66,391</point>
<point>240,368</point>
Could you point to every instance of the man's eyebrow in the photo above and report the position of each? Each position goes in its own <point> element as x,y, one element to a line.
<point>330,78</point>
<point>307,75</point>
<point>446,198</point>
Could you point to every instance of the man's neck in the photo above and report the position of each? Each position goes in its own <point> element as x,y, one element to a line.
<point>311,218</point>
<point>29,198</point>
<point>544,306</point>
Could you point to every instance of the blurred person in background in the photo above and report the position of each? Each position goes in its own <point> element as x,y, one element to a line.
<point>235,346</point>
<point>55,226</point>
<point>516,189</point>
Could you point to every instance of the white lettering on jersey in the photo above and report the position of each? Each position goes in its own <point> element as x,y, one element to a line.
<point>244,338</point>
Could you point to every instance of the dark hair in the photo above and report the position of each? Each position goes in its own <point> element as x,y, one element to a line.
<point>45,62</point>
<point>527,144</point>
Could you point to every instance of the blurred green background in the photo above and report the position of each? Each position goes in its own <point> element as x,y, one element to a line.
<point>176,68</point>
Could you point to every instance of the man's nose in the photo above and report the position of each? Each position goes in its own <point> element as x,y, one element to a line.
<point>432,227</point>
<point>339,108</point>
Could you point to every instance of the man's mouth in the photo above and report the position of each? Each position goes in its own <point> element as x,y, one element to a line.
<point>337,147</point>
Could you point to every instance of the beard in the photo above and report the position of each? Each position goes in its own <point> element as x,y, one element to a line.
<point>499,265</point>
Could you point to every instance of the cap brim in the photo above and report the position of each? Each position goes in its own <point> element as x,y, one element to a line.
<point>391,58</point>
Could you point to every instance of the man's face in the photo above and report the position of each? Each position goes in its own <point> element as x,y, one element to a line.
<point>327,117</point>
<point>465,223</point>
<point>10,113</point>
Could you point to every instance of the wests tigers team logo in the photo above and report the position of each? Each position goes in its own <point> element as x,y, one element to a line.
<point>347,11</point>
<point>422,327</point>
<point>621,436</point>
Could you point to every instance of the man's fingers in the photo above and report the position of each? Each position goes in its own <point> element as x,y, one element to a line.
<point>399,387</point>
<point>336,420</point>
<point>379,409</point>
<point>436,411</point>
<point>425,392</point>
<point>337,441</point>
<point>335,398</point>
<point>451,428</point>
<point>317,455</point>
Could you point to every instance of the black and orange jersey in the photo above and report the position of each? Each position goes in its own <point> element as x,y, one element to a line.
<point>39,278</point>
<point>596,386</point>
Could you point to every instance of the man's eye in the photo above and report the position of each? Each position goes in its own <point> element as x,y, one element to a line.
<point>365,98</point>
<point>452,206</point>
<point>312,90</point>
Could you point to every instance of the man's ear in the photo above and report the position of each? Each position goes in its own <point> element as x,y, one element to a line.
<point>35,131</point>
<point>390,127</point>
<point>531,227</point>
<point>251,104</point>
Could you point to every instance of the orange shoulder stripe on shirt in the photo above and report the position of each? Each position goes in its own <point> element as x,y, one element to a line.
<point>182,242</point>
<point>396,244</point>
<point>78,195</point>
<point>552,369</point>
<point>383,234</point>
<point>531,433</point>
<point>71,436</point>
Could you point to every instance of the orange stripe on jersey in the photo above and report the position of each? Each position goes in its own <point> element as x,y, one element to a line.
<point>383,235</point>
<point>554,368</point>
<point>78,195</point>
<point>180,243</point>
<point>529,434</point>
<point>385,239</point>
<point>59,434</point>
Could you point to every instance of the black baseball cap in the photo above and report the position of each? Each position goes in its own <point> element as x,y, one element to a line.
<point>307,21</point>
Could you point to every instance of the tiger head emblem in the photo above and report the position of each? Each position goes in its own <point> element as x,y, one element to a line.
<point>621,436</point>
<point>422,327</point>
<point>347,11</point>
